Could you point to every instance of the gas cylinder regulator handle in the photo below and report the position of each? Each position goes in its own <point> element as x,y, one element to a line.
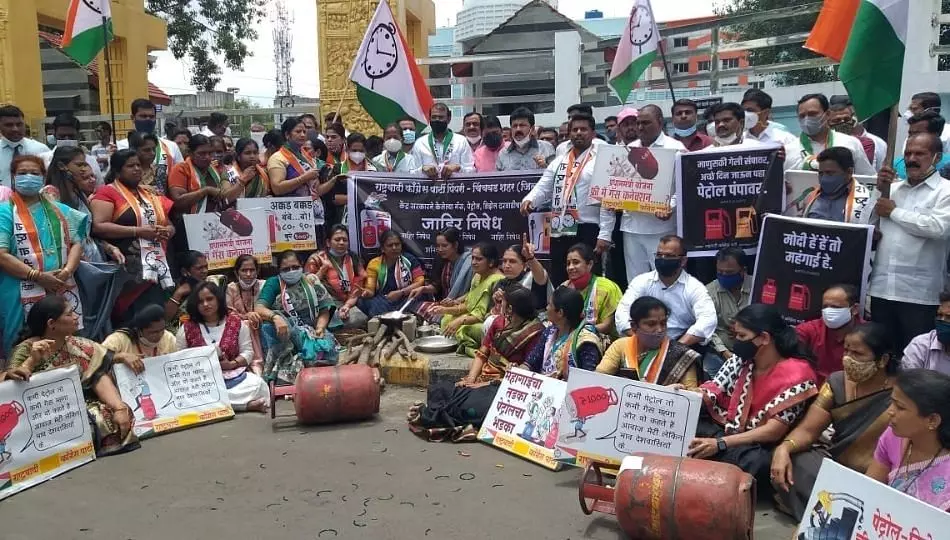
<point>595,467</point>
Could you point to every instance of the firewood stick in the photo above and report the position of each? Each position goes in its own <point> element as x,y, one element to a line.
<point>355,340</point>
<point>405,341</point>
<point>365,354</point>
<point>353,355</point>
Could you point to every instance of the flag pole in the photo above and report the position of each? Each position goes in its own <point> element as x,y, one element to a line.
<point>891,144</point>
<point>666,69</point>
<point>105,52</point>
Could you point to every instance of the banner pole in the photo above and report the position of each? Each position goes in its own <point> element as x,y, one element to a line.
<point>105,52</point>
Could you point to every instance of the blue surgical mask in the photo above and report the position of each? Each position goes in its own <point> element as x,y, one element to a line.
<point>831,184</point>
<point>144,126</point>
<point>28,184</point>
<point>685,132</point>
<point>408,136</point>
<point>292,277</point>
<point>729,281</point>
<point>336,253</point>
<point>943,332</point>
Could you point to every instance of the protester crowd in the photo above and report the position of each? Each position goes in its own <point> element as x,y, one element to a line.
<point>778,399</point>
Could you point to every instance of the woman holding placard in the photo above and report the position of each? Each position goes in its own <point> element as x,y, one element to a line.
<point>855,401</point>
<point>145,336</point>
<point>757,395</point>
<point>209,323</point>
<point>52,324</point>
<point>913,454</point>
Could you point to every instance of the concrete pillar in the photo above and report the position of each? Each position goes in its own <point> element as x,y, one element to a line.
<point>567,70</point>
<point>21,79</point>
<point>920,66</point>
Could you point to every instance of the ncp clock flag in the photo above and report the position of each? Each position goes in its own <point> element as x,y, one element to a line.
<point>88,29</point>
<point>636,51</point>
<point>388,82</point>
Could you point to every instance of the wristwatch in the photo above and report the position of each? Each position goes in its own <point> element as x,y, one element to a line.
<point>721,444</point>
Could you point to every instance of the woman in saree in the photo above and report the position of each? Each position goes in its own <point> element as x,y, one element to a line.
<point>195,185</point>
<point>40,249</point>
<point>154,168</point>
<point>343,275</point>
<point>51,344</point>
<point>569,341</point>
<point>391,277</point>
<point>145,336</point>
<point>193,270</point>
<point>757,395</point>
<point>649,355</point>
<point>296,310</point>
<point>520,267</point>
<point>456,411</point>
<point>242,296</point>
<point>453,275</point>
<point>913,453</point>
<point>136,220</point>
<point>209,323</point>
<point>70,181</point>
<point>601,296</point>
<point>247,172</point>
<point>855,401</point>
<point>463,320</point>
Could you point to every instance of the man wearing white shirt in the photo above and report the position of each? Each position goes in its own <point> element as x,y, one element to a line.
<point>641,232</point>
<point>442,153</point>
<point>910,265</point>
<point>13,141</point>
<point>217,125</point>
<point>693,318</point>
<point>143,117</point>
<point>928,101</point>
<point>757,108</point>
<point>816,136</point>
<point>66,131</point>
<point>565,188</point>
<point>573,110</point>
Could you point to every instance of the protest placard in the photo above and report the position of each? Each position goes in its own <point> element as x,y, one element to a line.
<point>223,236</point>
<point>290,222</point>
<point>800,185</point>
<point>523,418</point>
<point>175,391</point>
<point>44,429</point>
<point>721,194</point>
<point>605,418</point>
<point>485,207</point>
<point>633,179</point>
<point>847,505</point>
<point>798,258</point>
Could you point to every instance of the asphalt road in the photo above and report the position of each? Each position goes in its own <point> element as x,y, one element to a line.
<point>251,478</point>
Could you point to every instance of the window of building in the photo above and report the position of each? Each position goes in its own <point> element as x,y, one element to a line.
<point>759,85</point>
<point>704,65</point>
<point>730,63</point>
<point>681,67</point>
<point>680,42</point>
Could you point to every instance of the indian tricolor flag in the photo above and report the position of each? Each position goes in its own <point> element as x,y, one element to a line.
<point>867,37</point>
<point>637,49</point>
<point>88,29</point>
<point>388,82</point>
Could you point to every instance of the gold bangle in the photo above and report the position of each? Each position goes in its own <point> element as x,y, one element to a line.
<point>793,446</point>
<point>175,300</point>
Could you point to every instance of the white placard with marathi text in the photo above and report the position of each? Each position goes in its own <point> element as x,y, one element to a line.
<point>290,221</point>
<point>224,236</point>
<point>634,179</point>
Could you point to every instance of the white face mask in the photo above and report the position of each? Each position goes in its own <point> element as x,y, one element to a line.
<point>66,143</point>
<point>521,143</point>
<point>751,120</point>
<point>474,139</point>
<point>727,140</point>
<point>711,129</point>
<point>836,317</point>
<point>247,285</point>
<point>258,137</point>
<point>357,157</point>
<point>392,145</point>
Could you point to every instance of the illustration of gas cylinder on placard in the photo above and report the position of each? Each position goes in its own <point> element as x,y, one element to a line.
<point>799,298</point>
<point>746,227</point>
<point>718,225</point>
<point>272,227</point>
<point>373,223</point>
<point>769,291</point>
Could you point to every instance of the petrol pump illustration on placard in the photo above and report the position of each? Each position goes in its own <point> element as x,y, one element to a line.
<point>746,227</point>
<point>718,224</point>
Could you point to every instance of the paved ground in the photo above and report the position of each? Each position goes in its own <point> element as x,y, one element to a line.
<point>253,479</point>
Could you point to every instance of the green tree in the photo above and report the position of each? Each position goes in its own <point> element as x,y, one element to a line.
<point>209,33</point>
<point>781,53</point>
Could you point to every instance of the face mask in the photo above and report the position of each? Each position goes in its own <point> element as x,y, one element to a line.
<point>943,332</point>
<point>684,132</point>
<point>751,120</point>
<point>650,340</point>
<point>493,140</point>
<point>522,142</point>
<point>292,277</point>
<point>408,136</point>
<point>247,284</point>
<point>907,115</point>
<point>836,317</point>
<point>66,143</point>
<point>473,140</point>
<point>666,267</point>
<point>831,183</point>
<point>727,140</point>
<point>711,129</point>
<point>357,157</point>
<point>50,140</point>
<point>336,253</point>
<point>28,184</point>
<point>858,371</point>
<point>745,350</point>
<point>439,126</point>
<point>144,126</point>
<point>845,127</point>
<point>729,281</point>
<point>392,145</point>
<point>812,125</point>
<point>147,343</point>
<point>258,137</point>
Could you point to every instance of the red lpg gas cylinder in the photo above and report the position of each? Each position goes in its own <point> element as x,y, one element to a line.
<point>336,394</point>
<point>671,498</point>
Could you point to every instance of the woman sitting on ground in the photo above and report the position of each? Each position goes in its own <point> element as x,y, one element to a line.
<point>569,341</point>
<point>913,453</point>
<point>194,270</point>
<point>649,355</point>
<point>463,320</point>
<point>520,267</point>
<point>242,298</point>
<point>51,344</point>
<point>342,273</point>
<point>296,310</point>
<point>757,395</point>
<point>144,336</point>
<point>391,277</point>
<point>455,412</point>
<point>453,274</point>
<point>855,401</point>
<point>601,296</point>
<point>209,323</point>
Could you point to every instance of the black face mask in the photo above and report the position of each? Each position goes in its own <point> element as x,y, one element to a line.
<point>746,350</point>
<point>666,267</point>
<point>439,126</point>
<point>492,140</point>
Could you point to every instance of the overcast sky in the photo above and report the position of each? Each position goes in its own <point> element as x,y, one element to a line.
<point>256,81</point>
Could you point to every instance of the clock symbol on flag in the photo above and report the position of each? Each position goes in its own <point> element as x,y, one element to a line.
<point>382,52</point>
<point>95,5</point>
<point>641,27</point>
